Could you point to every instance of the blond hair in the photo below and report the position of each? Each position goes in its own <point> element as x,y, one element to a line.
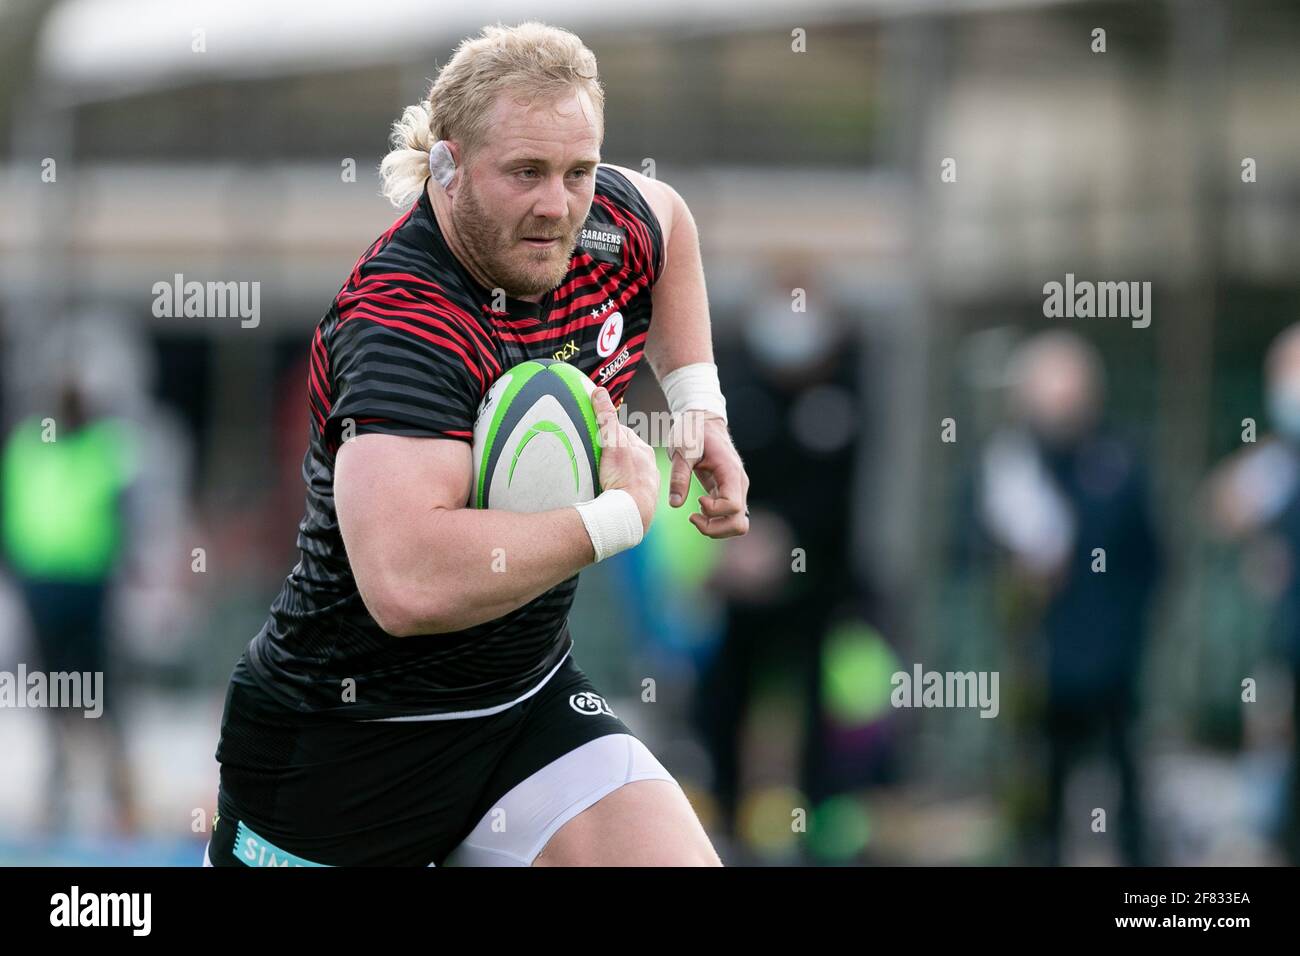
<point>535,60</point>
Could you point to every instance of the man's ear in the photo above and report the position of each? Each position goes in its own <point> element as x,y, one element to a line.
<point>456,154</point>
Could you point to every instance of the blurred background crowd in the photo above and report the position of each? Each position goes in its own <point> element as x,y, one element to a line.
<point>882,188</point>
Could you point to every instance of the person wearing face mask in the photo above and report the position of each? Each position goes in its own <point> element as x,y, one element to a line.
<point>1059,493</point>
<point>1253,498</point>
<point>795,400</point>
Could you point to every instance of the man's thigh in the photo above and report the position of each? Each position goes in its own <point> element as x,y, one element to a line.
<point>643,823</point>
<point>572,753</point>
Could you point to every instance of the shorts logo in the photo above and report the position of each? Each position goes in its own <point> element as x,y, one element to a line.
<point>589,703</point>
<point>610,335</point>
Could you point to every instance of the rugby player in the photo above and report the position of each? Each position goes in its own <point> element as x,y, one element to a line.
<point>405,704</point>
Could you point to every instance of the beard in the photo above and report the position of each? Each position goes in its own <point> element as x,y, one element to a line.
<point>499,253</point>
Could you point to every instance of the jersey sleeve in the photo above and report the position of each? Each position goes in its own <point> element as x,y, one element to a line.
<point>403,360</point>
<point>645,237</point>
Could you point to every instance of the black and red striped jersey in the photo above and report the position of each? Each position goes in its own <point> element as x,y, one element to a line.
<point>409,346</point>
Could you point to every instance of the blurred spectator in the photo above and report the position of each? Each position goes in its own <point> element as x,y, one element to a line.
<point>1065,500</point>
<point>1255,497</point>
<point>793,402</point>
<point>62,533</point>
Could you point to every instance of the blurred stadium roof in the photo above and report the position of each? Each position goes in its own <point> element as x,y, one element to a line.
<point>101,49</point>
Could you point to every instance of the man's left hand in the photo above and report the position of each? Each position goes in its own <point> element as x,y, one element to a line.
<point>701,444</point>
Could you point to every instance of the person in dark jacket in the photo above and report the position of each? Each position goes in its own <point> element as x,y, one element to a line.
<point>1067,499</point>
<point>794,407</point>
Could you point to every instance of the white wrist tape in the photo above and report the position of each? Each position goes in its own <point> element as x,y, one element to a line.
<point>613,522</point>
<point>694,387</point>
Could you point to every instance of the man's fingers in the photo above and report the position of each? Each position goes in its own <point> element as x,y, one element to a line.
<point>606,417</point>
<point>730,484</point>
<point>680,481</point>
<point>719,507</point>
<point>729,527</point>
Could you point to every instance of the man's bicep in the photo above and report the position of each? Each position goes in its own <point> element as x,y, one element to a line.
<point>385,488</point>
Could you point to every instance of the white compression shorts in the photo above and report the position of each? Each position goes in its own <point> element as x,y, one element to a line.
<point>516,830</point>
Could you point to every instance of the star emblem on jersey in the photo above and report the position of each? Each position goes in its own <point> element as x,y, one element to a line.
<point>611,333</point>
<point>589,703</point>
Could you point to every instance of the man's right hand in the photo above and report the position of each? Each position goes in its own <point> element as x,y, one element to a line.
<point>626,461</point>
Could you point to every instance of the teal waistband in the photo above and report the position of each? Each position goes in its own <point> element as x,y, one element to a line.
<point>253,850</point>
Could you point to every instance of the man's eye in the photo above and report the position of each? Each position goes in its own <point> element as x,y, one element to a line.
<point>582,173</point>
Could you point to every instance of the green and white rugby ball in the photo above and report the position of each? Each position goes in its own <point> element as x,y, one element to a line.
<point>536,443</point>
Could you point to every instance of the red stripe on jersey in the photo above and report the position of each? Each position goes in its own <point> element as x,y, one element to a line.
<point>621,218</point>
<point>595,274</point>
<point>380,243</point>
<point>608,290</point>
<point>622,377</point>
<point>384,281</point>
<point>644,239</point>
<point>389,305</point>
<point>562,321</point>
<point>315,385</point>
<point>573,325</point>
<point>318,345</point>
<point>438,309</point>
<point>511,323</point>
<point>428,337</point>
<point>397,282</point>
<point>320,419</point>
<point>369,309</point>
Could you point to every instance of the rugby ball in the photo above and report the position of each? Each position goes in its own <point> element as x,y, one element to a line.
<point>536,443</point>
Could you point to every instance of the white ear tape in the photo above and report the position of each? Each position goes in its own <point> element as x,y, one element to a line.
<point>441,164</point>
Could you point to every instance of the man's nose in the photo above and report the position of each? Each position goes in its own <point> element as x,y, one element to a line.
<point>552,199</point>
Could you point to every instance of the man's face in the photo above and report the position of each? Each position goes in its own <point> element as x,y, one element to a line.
<point>525,193</point>
<point>1058,394</point>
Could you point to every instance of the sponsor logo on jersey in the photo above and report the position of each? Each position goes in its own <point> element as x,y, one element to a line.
<point>611,333</point>
<point>603,241</point>
<point>610,370</point>
<point>603,238</point>
<point>589,703</point>
<point>567,351</point>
